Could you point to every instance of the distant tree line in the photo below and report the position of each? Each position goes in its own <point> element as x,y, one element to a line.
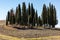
<point>29,16</point>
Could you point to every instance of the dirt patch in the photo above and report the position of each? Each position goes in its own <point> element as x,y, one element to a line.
<point>27,33</point>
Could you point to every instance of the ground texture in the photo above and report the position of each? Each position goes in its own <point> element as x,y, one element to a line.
<point>40,33</point>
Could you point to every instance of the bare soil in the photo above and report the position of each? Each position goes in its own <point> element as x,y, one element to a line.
<point>27,33</point>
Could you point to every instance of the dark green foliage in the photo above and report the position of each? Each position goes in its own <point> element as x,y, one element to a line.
<point>18,14</point>
<point>44,15</point>
<point>28,16</point>
<point>40,21</point>
<point>52,20</point>
<point>32,14</point>
<point>28,11</point>
<point>24,14</point>
<point>49,15</point>
<point>6,21</point>
<point>7,18</point>
<point>12,17</point>
<point>8,15</point>
<point>55,18</point>
<point>36,18</point>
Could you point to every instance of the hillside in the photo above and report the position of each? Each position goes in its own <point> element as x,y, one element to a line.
<point>27,33</point>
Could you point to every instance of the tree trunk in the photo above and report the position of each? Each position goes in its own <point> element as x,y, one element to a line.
<point>53,26</point>
<point>49,26</point>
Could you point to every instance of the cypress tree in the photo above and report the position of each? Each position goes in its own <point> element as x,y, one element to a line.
<point>7,18</point>
<point>36,18</point>
<point>19,14</point>
<point>28,14</point>
<point>6,21</point>
<point>48,18</point>
<point>24,14</point>
<point>12,17</point>
<point>40,21</point>
<point>16,16</point>
<point>8,15</point>
<point>32,15</point>
<point>44,15</point>
<point>52,15</point>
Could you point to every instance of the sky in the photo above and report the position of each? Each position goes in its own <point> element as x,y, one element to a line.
<point>6,5</point>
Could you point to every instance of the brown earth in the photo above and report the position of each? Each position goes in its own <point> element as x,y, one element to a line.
<point>27,33</point>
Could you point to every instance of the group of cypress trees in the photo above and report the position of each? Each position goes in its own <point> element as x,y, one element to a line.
<point>49,15</point>
<point>29,16</point>
<point>24,16</point>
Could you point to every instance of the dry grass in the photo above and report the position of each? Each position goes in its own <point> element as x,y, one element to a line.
<point>28,34</point>
<point>4,37</point>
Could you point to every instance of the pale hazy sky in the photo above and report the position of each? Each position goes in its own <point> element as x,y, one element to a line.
<point>6,5</point>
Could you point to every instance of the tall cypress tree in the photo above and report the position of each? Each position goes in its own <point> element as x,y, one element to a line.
<point>44,15</point>
<point>7,18</point>
<point>19,14</point>
<point>36,18</point>
<point>28,14</point>
<point>16,16</point>
<point>32,15</point>
<point>40,21</point>
<point>54,17</point>
<point>52,20</point>
<point>12,21</point>
<point>8,15</point>
<point>48,18</point>
<point>24,14</point>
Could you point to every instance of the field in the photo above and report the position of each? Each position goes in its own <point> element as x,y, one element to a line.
<point>10,33</point>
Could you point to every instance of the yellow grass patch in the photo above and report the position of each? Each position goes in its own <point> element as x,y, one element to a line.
<point>40,38</point>
<point>8,37</point>
<point>46,38</point>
